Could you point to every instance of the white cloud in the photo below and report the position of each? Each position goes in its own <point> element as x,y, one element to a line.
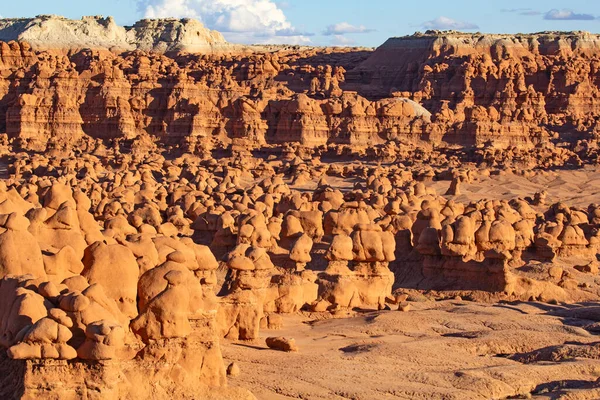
<point>342,41</point>
<point>567,15</point>
<point>344,27</point>
<point>445,23</point>
<point>530,13</point>
<point>241,21</point>
<point>522,11</point>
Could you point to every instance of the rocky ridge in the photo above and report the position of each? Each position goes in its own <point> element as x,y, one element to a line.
<point>439,89</point>
<point>160,35</point>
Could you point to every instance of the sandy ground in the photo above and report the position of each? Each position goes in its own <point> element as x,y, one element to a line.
<point>579,187</point>
<point>574,187</point>
<point>445,349</point>
<point>437,350</point>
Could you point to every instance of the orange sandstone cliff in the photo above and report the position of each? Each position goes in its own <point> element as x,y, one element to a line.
<point>439,86</point>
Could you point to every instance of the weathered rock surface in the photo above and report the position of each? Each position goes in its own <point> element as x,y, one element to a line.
<point>446,88</point>
<point>161,35</point>
<point>155,205</point>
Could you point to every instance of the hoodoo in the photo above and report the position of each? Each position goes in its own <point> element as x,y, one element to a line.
<point>97,32</point>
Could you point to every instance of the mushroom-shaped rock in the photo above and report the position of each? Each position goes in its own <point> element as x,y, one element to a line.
<point>166,315</point>
<point>116,269</point>
<point>154,281</point>
<point>104,340</point>
<point>301,249</point>
<point>429,242</point>
<point>458,239</point>
<point>46,338</point>
<point>20,253</point>
<point>371,244</point>
<point>502,238</point>
<point>340,248</point>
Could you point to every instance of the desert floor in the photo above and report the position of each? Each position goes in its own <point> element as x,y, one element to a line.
<point>438,350</point>
<point>450,349</point>
<point>575,187</point>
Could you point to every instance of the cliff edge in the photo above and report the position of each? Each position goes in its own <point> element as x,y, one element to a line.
<point>161,35</point>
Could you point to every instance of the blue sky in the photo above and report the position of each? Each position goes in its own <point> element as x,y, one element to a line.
<point>334,22</point>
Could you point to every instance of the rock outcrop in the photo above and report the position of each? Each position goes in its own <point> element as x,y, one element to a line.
<point>518,94</point>
<point>97,32</point>
<point>154,205</point>
<point>489,87</point>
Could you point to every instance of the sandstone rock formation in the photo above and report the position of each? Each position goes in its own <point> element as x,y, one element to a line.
<point>161,35</point>
<point>456,89</point>
<point>155,204</point>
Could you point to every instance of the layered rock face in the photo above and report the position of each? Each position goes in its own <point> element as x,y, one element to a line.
<point>438,87</point>
<point>483,86</point>
<point>55,32</point>
<point>215,99</point>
